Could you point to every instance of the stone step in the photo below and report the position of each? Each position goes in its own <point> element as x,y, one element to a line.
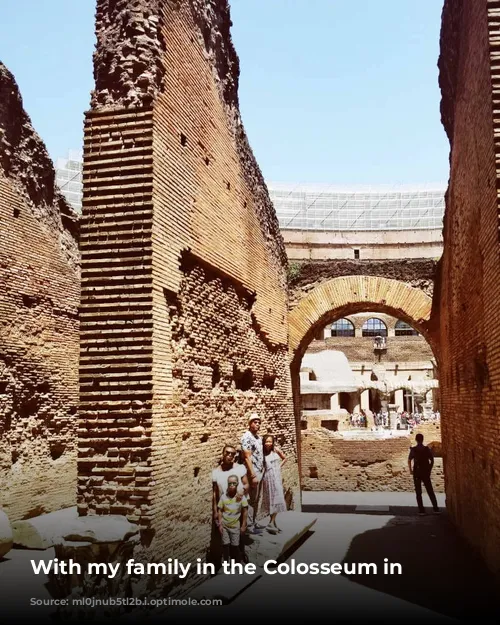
<point>272,546</point>
<point>259,549</point>
<point>5,534</point>
<point>45,530</point>
<point>56,528</point>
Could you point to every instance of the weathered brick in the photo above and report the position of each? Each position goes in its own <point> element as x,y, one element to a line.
<point>469,289</point>
<point>201,261</point>
<point>39,295</point>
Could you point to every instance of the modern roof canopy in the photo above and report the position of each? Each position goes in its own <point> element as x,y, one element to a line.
<point>331,207</point>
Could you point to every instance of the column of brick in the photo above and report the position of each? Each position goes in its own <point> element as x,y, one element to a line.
<point>116,316</point>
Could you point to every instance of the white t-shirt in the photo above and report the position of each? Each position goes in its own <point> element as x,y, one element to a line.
<point>220,477</point>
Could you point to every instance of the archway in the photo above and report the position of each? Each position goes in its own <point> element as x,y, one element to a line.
<point>346,296</point>
<point>349,294</point>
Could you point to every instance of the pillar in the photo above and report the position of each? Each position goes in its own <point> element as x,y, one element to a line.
<point>365,400</point>
<point>399,399</point>
<point>356,401</point>
<point>393,415</point>
<point>334,403</point>
<point>304,376</point>
<point>429,398</point>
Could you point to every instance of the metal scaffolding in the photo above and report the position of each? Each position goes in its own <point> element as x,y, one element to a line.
<point>313,207</point>
<point>69,178</point>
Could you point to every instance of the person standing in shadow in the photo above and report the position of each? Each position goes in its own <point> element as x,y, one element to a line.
<point>423,461</point>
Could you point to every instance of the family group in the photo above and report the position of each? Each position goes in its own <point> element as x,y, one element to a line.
<point>247,484</point>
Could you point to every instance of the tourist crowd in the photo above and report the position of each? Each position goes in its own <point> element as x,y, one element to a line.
<point>404,420</point>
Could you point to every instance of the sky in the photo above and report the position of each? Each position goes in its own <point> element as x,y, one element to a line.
<point>331,91</point>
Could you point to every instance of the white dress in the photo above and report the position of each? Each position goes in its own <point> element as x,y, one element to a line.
<point>273,498</point>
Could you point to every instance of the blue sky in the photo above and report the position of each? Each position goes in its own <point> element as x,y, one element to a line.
<point>331,91</point>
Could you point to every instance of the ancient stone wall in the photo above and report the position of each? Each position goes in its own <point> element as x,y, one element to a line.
<point>400,349</point>
<point>184,302</point>
<point>331,463</point>
<point>306,275</point>
<point>345,296</point>
<point>39,295</point>
<point>315,245</point>
<point>469,290</point>
<point>359,320</point>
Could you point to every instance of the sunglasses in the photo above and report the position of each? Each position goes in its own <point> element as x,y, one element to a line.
<point>230,453</point>
<point>232,483</point>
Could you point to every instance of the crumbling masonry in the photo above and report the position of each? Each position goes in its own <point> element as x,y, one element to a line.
<point>184,302</point>
<point>39,294</point>
<point>184,325</point>
<point>469,321</point>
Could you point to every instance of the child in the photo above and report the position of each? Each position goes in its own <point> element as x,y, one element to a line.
<point>273,497</point>
<point>230,510</point>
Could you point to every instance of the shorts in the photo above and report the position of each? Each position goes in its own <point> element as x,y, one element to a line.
<point>231,536</point>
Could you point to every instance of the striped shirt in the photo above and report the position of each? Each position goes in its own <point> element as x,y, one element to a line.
<point>231,510</point>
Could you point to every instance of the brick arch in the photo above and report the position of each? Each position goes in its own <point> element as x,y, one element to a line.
<point>341,297</point>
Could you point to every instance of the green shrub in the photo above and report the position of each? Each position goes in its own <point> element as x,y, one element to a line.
<point>293,271</point>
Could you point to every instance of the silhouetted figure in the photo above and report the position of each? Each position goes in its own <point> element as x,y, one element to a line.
<point>423,461</point>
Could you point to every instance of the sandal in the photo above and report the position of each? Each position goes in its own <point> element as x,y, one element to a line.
<point>272,529</point>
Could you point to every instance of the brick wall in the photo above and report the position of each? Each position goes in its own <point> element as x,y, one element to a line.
<point>400,349</point>
<point>116,315</point>
<point>39,294</point>
<point>305,275</point>
<point>184,302</point>
<point>469,287</point>
<point>331,463</point>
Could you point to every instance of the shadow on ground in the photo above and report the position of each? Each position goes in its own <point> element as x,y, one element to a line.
<point>440,571</point>
<point>354,509</point>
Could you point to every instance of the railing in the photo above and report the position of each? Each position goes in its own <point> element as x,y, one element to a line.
<point>380,343</point>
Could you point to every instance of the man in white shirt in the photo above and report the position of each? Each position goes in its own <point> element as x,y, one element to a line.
<point>219,478</point>
<point>251,445</point>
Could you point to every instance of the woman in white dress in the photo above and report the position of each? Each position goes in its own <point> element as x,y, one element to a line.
<point>273,499</point>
